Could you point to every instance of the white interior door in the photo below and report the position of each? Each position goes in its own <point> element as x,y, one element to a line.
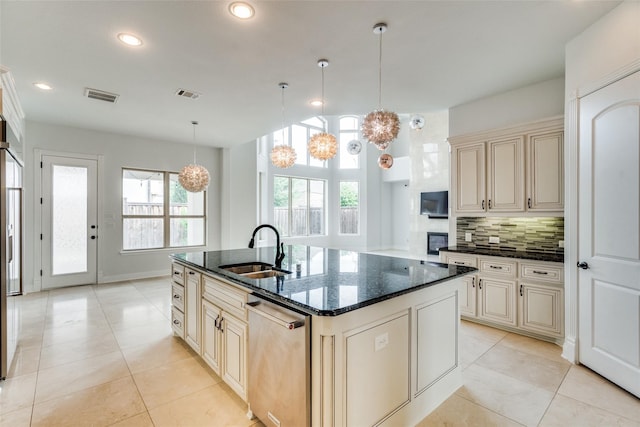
<point>69,221</point>
<point>609,224</point>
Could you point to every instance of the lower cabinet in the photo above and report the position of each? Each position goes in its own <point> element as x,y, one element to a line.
<point>518,295</point>
<point>193,293</point>
<point>224,341</point>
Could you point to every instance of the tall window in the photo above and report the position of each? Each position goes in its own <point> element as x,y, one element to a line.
<point>158,213</point>
<point>349,207</point>
<point>300,135</point>
<point>348,132</point>
<point>299,206</point>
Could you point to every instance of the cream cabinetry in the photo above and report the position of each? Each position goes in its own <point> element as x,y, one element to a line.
<point>177,299</point>
<point>514,294</point>
<point>210,314</point>
<point>508,170</point>
<point>193,283</point>
<point>224,332</point>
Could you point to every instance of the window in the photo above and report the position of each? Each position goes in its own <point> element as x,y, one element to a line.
<point>349,207</point>
<point>300,135</point>
<point>348,132</point>
<point>158,213</point>
<point>299,206</point>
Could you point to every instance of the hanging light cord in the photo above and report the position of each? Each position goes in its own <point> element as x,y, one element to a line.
<point>282,86</point>
<point>194,123</point>
<point>380,73</point>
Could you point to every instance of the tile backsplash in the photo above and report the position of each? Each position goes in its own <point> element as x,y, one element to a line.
<point>541,234</point>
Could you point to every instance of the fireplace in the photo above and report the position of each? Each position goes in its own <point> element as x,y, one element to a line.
<point>435,241</point>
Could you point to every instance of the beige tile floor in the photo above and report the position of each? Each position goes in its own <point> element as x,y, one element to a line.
<point>105,355</point>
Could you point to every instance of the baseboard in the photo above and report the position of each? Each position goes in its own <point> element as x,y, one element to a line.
<point>569,350</point>
<point>133,276</point>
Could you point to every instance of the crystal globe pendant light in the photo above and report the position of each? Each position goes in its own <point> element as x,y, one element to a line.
<point>283,155</point>
<point>194,178</point>
<point>323,145</point>
<point>381,127</point>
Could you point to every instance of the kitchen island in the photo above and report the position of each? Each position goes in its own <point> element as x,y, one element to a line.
<point>383,333</point>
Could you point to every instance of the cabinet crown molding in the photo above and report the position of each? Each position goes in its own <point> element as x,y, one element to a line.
<point>539,126</point>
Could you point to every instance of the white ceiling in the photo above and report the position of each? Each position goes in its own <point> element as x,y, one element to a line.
<point>436,55</point>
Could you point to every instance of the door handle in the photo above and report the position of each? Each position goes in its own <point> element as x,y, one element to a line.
<point>583,265</point>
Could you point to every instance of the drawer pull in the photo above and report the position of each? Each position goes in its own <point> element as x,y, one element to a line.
<point>495,267</point>
<point>473,282</point>
<point>191,272</point>
<point>459,262</point>
<point>176,296</point>
<point>176,272</point>
<point>480,284</point>
<point>540,272</point>
<point>176,322</point>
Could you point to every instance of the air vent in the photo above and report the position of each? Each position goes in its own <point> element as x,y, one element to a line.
<point>192,94</point>
<point>101,95</point>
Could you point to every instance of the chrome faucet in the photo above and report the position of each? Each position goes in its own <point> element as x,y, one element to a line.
<point>279,246</point>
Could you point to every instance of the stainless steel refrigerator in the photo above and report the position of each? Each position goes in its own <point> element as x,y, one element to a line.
<point>10,248</point>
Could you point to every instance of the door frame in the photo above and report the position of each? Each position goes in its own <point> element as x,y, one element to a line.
<point>571,202</point>
<point>38,214</point>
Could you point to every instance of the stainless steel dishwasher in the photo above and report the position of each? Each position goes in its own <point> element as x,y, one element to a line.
<point>279,364</point>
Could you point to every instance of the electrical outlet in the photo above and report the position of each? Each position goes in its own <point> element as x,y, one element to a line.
<point>468,237</point>
<point>494,239</point>
<point>381,341</point>
<point>561,244</point>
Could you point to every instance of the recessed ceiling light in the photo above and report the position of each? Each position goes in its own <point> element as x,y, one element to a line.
<point>316,102</point>
<point>241,10</point>
<point>130,39</point>
<point>42,85</point>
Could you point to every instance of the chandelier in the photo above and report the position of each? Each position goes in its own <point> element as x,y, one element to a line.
<point>194,178</point>
<point>283,155</point>
<point>380,127</point>
<point>323,145</point>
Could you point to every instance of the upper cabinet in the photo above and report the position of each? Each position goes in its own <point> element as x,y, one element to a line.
<point>512,170</point>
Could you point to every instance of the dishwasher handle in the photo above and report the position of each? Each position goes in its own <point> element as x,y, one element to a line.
<point>253,307</point>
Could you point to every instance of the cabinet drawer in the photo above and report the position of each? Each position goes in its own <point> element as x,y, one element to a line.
<point>227,297</point>
<point>177,297</point>
<point>177,273</point>
<point>498,267</point>
<point>458,259</point>
<point>177,322</point>
<point>542,272</point>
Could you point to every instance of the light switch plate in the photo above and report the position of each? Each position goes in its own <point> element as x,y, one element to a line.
<point>494,239</point>
<point>468,237</point>
<point>561,244</point>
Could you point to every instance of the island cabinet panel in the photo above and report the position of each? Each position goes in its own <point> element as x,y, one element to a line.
<point>234,347</point>
<point>388,364</point>
<point>435,324</point>
<point>468,296</point>
<point>211,341</point>
<point>377,370</point>
<point>192,308</point>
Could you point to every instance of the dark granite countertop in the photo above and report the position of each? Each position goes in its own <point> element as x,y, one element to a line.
<point>507,253</point>
<point>330,281</point>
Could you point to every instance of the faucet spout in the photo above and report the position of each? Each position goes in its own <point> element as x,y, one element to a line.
<point>279,245</point>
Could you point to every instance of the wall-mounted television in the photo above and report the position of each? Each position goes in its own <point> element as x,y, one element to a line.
<point>435,204</point>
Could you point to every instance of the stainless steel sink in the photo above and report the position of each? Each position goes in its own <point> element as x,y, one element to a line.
<point>247,267</point>
<point>265,274</point>
<point>255,270</point>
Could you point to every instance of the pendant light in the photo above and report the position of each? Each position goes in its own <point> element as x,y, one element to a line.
<point>323,145</point>
<point>380,127</point>
<point>194,178</point>
<point>283,155</point>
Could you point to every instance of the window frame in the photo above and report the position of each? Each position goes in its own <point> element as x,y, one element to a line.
<point>290,178</point>
<point>166,213</point>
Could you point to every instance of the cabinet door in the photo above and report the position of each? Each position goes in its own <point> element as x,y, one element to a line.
<point>541,309</point>
<point>546,172</point>
<point>506,175</point>
<point>234,347</point>
<point>192,308</point>
<point>469,178</point>
<point>468,295</point>
<point>497,301</point>
<point>211,339</point>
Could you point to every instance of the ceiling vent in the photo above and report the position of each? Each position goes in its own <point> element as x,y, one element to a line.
<point>191,94</point>
<point>101,95</point>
